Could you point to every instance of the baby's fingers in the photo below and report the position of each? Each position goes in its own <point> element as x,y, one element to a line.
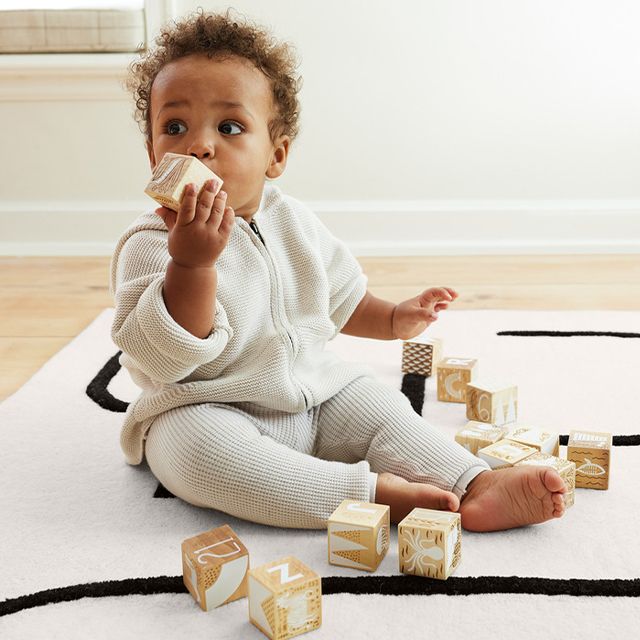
<point>187,209</point>
<point>226,224</point>
<point>168,216</point>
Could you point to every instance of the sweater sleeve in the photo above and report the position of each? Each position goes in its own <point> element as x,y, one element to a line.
<point>347,282</point>
<point>143,328</point>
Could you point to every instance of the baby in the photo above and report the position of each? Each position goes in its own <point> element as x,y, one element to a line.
<point>223,309</point>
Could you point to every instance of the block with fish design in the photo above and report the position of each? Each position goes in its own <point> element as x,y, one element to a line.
<point>214,567</point>
<point>565,468</point>
<point>492,402</point>
<point>477,435</point>
<point>173,173</point>
<point>358,534</point>
<point>544,440</point>
<point>591,451</point>
<point>505,453</point>
<point>421,356</point>
<point>285,598</point>
<point>453,376</point>
<point>430,543</point>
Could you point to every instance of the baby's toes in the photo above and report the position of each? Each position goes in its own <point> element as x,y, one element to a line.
<point>558,504</point>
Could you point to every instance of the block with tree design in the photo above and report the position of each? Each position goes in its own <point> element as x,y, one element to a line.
<point>492,402</point>
<point>430,543</point>
<point>285,598</point>
<point>214,567</point>
<point>358,534</point>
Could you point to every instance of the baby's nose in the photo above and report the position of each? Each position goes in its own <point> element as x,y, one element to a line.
<point>201,149</point>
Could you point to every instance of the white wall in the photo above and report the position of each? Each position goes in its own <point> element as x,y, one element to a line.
<point>432,126</point>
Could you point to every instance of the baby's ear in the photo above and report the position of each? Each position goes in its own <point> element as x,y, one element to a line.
<point>152,156</point>
<point>279,157</point>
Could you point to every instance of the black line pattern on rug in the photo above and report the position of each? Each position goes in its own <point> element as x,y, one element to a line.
<point>569,334</point>
<point>400,585</point>
<point>98,390</point>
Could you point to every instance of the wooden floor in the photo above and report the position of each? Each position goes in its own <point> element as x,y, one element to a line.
<point>45,302</point>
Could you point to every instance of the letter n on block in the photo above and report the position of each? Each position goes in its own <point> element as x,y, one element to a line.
<point>214,567</point>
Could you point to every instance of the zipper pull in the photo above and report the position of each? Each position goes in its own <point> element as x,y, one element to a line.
<point>255,229</point>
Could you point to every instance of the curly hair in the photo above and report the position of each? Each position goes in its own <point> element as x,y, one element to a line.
<point>221,36</point>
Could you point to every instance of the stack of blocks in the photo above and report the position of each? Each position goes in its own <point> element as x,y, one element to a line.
<point>490,434</point>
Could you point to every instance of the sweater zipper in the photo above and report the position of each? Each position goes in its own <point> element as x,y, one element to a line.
<point>254,228</point>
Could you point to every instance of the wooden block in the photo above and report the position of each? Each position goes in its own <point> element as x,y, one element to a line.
<point>421,356</point>
<point>285,598</point>
<point>453,376</point>
<point>492,402</point>
<point>565,468</point>
<point>358,534</point>
<point>173,173</point>
<point>477,435</point>
<point>430,543</point>
<point>591,451</point>
<point>540,439</point>
<point>214,567</point>
<point>505,453</point>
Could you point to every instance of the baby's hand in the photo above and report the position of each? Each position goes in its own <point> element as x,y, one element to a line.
<point>412,317</point>
<point>200,230</point>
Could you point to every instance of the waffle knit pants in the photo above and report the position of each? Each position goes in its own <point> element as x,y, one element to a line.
<point>293,470</point>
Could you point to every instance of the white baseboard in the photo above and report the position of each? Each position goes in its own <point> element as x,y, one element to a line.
<point>409,228</point>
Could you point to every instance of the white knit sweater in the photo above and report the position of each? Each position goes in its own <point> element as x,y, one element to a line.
<point>277,305</point>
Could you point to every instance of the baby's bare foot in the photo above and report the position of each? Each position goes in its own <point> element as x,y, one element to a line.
<point>513,497</point>
<point>403,496</point>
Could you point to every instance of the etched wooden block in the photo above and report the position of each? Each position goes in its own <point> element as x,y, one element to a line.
<point>591,451</point>
<point>358,534</point>
<point>430,543</point>
<point>541,439</point>
<point>453,376</point>
<point>477,435</point>
<point>421,356</point>
<point>285,598</point>
<point>173,173</point>
<point>214,567</point>
<point>565,468</point>
<point>505,453</point>
<point>492,402</point>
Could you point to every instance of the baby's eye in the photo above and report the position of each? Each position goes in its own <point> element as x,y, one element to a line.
<point>226,126</point>
<point>174,128</point>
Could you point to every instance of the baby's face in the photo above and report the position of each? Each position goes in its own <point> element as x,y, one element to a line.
<point>192,113</point>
